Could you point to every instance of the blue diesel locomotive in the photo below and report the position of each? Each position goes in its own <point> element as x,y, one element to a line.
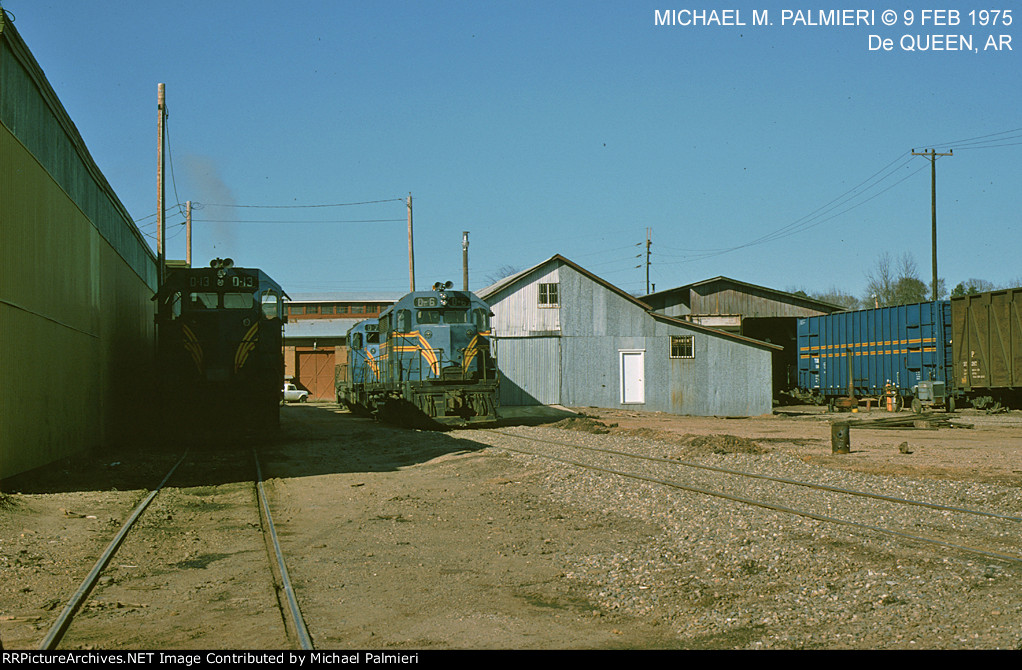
<point>219,339</point>
<point>434,367</point>
<point>363,367</point>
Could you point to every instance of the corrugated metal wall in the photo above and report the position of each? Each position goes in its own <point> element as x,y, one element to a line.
<point>76,279</point>
<point>530,370</point>
<point>522,316</point>
<point>726,376</point>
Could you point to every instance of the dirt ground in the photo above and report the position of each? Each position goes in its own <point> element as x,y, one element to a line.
<point>978,446</point>
<point>394,538</point>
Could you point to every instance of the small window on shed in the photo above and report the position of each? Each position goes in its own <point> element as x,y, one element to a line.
<point>548,295</point>
<point>681,346</point>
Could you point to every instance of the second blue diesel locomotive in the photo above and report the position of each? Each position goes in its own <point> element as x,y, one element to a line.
<point>363,367</point>
<point>433,365</point>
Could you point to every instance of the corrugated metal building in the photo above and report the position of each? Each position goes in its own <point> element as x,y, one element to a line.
<point>76,282</point>
<point>758,312</point>
<point>564,336</point>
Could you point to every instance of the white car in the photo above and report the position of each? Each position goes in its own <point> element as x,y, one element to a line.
<point>292,393</point>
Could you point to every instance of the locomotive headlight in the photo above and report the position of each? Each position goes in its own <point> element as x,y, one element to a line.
<point>443,298</point>
<point>429,333</point>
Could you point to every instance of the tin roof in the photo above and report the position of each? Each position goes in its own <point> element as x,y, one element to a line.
<point>347,296</point>
<point>493,289</point>
<point>824,306</point>
<point>318,327</point>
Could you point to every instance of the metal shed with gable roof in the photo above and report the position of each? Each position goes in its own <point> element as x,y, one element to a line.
<point>565,336</point>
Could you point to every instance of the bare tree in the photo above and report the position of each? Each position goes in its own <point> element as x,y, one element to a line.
<point>501,272</point>
<point>880,282</point>
<point>893,282</point>
<point>972,286</point>
<point>836,296</point>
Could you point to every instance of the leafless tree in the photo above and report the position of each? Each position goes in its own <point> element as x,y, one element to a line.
<point>897,282</point>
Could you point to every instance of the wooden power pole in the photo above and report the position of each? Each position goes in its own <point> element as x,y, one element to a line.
<point>464,258</point>
<point>161,216</point>
<point>649,232</point>
<point>188,233</point>
<point>411,248</point>
<point>933,155</point>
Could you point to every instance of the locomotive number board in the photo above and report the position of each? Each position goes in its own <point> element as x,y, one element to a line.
<point>433,301</point>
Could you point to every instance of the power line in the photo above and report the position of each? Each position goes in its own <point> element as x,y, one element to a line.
<point>200,205</point>
<point>194,220</point>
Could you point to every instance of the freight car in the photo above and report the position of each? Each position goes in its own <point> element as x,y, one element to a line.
<point>219,339</point>
<point>987,330</point>
<point>932,354</point>
<point>435,367</point>
<point>363,367</point>
<point>894,354</point>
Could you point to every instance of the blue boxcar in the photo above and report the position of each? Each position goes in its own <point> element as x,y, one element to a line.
<point>906,348</point>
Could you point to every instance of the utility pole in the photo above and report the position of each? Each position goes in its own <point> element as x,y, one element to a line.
<point>649,232</point>
<point>464,258</point>
<point>932,155</point>
<point>161,215</point>
<point>188,233</point>
<point>411,249</point>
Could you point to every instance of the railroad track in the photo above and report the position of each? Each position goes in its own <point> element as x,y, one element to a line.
<point>246,535</point>
<point>951,527</point>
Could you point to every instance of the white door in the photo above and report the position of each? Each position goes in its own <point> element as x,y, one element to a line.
<point>633,386</point>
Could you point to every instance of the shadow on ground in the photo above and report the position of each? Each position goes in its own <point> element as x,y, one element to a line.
<point>313,439</point>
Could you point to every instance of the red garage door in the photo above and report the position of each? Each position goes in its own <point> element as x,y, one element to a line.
<point>316,373</point>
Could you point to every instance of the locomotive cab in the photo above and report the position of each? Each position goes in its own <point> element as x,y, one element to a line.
<point>435,356</point>
<point>219,346</point>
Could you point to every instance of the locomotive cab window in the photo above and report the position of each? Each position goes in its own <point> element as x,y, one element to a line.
<point>427,316</point>
<point>455,316</point>
<point>356,341</point>
<point>681,346</point>
<point>203,301</point>
<point>271,305</point>
<point>238,301</point>
<point>481,318</point>
<point>404,320</point>
<point>372,338</point>
<point>174,301</point>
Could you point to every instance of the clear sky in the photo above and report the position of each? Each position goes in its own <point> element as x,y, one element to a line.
<point>774,154</point>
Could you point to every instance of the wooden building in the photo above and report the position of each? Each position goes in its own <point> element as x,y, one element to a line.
<point>564,336</point>
<point>754,311</point>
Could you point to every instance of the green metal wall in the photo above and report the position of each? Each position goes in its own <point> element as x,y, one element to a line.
<point>76,279</point>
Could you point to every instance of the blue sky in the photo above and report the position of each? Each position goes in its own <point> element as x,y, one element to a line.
<point>778,155</point>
